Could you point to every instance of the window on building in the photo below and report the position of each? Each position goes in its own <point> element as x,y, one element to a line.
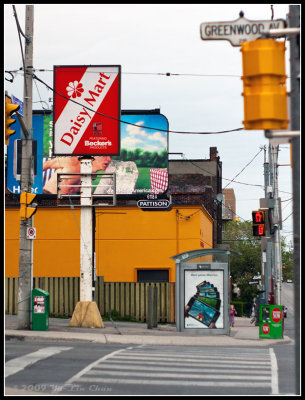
<point>152,275</point>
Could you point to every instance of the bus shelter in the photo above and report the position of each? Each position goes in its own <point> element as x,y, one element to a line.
<point>202,291</point>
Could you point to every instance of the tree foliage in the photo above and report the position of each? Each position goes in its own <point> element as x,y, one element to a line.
<point>244,266</point>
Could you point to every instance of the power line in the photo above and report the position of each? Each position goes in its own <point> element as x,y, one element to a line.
<point>19,32</point>
<point>231,180</point>
<point>244,168</point>
<point>129,123</point>
<point>154,73</point>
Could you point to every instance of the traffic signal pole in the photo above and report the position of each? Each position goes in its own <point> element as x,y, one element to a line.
<point>26,245</point>
<point>294,22</point>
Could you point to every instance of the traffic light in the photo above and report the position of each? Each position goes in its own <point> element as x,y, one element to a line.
<point>9,110</point>
<point>258,223</point>
<point>25,211</point>
<point>264,84</point>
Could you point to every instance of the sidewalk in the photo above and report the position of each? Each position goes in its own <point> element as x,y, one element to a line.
<point>243,334</point>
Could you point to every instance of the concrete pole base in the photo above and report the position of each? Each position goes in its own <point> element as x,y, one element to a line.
<point>86,315</point>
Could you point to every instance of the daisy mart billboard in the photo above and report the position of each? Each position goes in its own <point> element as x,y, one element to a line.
<point>141,168</point>
<point>87,110</point>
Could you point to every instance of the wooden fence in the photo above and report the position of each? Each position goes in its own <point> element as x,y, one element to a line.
<point>126,298</point>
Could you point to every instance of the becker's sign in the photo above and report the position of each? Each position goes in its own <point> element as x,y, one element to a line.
<point>238,31</point>
<point>87,110</point>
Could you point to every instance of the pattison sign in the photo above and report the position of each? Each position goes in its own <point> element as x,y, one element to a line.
<point>238,31</point>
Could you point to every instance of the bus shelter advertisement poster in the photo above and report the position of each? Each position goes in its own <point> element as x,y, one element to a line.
<point>141,168</point>
<point>203,299</point>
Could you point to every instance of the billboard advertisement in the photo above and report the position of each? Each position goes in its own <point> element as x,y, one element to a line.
<point>141,168</point>
<point>204,291</point>
<point>87,110</point>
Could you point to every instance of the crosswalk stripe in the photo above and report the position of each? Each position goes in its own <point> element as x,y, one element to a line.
<point>203,354</point>
<point>176,382</point>
<point>99,373</point>
<point>18,364</point>
<point>212,358</point>
<point>111,365</point>
<point>187,364</point>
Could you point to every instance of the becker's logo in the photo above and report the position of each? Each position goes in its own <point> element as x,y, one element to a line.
<point>75,89</point>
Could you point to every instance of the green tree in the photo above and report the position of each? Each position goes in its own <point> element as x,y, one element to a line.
<point>240,238</point>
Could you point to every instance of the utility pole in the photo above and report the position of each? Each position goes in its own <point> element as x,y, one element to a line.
<point>26,246</point>
<point>276,218</point>
<point>294,22</point>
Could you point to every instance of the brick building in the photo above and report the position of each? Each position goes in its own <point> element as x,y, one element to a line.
<point>198,181</point>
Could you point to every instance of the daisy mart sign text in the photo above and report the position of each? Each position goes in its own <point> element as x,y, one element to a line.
<point>87,110</point>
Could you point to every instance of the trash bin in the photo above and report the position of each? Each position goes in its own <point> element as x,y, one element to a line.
<point>40,310</point>
<point>271,321</point>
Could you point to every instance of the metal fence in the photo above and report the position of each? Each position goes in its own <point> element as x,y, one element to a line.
<point>128,299</point>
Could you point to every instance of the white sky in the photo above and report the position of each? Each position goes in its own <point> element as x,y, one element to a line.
<point>149,39</point>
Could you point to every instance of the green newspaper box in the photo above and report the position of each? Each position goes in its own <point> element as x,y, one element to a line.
<point>271,321</point>
<point>40,310</point>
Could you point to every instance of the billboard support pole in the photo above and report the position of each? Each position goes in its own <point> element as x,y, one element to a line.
<point>86,231</point>
<point>86,313</point>
<point>25,245</point>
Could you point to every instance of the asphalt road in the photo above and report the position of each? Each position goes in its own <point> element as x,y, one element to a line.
<point>74,368</point>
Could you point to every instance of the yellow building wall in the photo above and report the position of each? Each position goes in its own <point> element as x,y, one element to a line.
<point>129,239</point>
<point>126,239</point>
<point>56,250</point>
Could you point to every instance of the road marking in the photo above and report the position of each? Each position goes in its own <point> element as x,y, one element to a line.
<point>135,366</point>
<point>200,355</point>
<point>274,377</point>
<point>98,373</point>
<point>18,364</point>
<point>202,359</point>
<point>184,364</point>
<point>77,377</point>
<point>128,365</point>
<point>177,383</point>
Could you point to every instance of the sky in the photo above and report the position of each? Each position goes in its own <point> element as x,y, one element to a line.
<point>165,64</point>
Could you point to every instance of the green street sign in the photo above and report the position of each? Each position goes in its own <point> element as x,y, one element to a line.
<point>271,321</point>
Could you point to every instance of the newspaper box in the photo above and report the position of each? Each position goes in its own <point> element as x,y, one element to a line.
<point>40,310</point>
<point>271,321</point>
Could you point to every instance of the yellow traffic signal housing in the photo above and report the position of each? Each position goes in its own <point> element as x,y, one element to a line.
<point>264,85</point>
<point>25,211</point>
<point>9,110</point>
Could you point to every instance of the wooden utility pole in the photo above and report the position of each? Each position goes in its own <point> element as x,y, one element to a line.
<point>26,245</point>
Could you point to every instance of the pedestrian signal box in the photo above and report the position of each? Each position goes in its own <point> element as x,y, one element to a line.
<point>258,223</point>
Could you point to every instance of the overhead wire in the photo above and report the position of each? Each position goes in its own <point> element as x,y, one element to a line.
<point>244,168</point>
<point>129,123</point>
<point>19,32</point>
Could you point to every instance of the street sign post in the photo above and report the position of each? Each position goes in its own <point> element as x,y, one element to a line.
<point>239,30</point>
